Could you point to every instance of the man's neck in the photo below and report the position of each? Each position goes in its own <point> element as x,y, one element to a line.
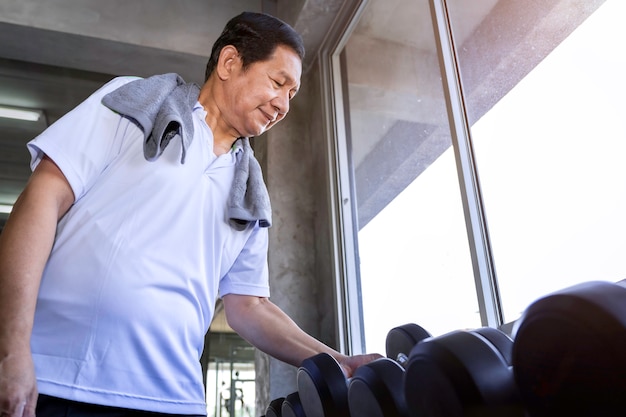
<point>220,147</point>
<point>223,139</point>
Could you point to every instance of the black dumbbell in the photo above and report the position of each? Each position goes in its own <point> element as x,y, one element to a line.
<point>569,355</point>
<point>377,388</point>
<point>400,340</point>
<point>324,389</point>
<point>464,373</point>
<point>274,409</point>
<point>289,406</point>
<point>292,406</point>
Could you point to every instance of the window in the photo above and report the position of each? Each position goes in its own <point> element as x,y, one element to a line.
<point>230,376</point>
<point>413,253</point>
<point>546,102</point>
<point>543,91</point>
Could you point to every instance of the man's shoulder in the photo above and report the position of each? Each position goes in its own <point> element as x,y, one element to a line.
<point>116,83</point>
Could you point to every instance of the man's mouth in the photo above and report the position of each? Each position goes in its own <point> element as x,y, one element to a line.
<point>270,119</point>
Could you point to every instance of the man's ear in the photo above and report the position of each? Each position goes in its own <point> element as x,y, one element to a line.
<point>227,62</point>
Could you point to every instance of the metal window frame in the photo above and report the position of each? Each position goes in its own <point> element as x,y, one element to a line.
<point>349,309</point>
<point>489,301</point>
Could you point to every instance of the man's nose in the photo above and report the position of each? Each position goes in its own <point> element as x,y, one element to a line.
<point>281,104</point>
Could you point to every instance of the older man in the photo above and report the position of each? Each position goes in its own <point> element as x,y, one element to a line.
<point>145,205</point>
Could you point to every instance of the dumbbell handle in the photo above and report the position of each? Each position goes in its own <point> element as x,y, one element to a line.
<point>402,359</point>
<point>401,339</point>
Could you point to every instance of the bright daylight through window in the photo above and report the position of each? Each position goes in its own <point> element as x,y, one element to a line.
<point>548,143</point>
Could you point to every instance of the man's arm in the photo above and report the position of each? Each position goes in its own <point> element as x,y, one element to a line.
<point>25,245</point>
<point>267,327</point>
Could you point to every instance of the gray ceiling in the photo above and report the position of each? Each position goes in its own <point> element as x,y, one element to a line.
<point>54,53</point>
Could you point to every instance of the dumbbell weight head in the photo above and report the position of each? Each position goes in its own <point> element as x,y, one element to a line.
<point>292,407</point>
<point>400,340</point>
<point>461,374</point>
<point>569,356</point>
<point>323,387</point>
<point>377,388</point>
<point>274,409</point>
<point>500,340</point>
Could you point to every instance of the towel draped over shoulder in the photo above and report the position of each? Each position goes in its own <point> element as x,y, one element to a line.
<point>162,106</point>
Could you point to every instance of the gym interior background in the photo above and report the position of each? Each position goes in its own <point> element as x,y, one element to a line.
<point>445,163</point>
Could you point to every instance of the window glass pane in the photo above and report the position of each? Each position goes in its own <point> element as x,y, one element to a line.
<point>415,264</point>
<point>230,376</point>
<point>545,90</point>
<point>234,392</point>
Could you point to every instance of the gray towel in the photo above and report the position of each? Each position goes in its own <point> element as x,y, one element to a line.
<point>248,200</point>
<point>162,106</point>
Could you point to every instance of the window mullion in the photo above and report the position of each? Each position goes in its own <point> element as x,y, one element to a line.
<point>484,269</point>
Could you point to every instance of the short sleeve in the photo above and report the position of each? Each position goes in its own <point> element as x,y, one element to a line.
<point>83,141</point>
<point>249,273</point>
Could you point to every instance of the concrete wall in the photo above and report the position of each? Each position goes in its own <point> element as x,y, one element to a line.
<point>293,157</point>
<point>299,259</point>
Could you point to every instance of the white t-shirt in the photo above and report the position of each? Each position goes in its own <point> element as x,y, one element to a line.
<point>138,261</point>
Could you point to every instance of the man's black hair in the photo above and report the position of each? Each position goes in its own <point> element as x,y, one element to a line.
<point>256,36</point>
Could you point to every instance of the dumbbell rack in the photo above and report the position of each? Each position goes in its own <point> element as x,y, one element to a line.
<point>567,358</point>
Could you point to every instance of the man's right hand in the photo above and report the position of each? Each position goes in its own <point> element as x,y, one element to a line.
<point>18,386</point>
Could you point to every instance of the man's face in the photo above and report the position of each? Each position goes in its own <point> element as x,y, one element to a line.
<point>258,97</point>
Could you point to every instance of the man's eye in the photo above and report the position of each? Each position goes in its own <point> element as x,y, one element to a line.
<point>278,84</point>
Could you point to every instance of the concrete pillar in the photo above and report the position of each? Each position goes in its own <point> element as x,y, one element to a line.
<point>294,160</point>
<point>300,279</point>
